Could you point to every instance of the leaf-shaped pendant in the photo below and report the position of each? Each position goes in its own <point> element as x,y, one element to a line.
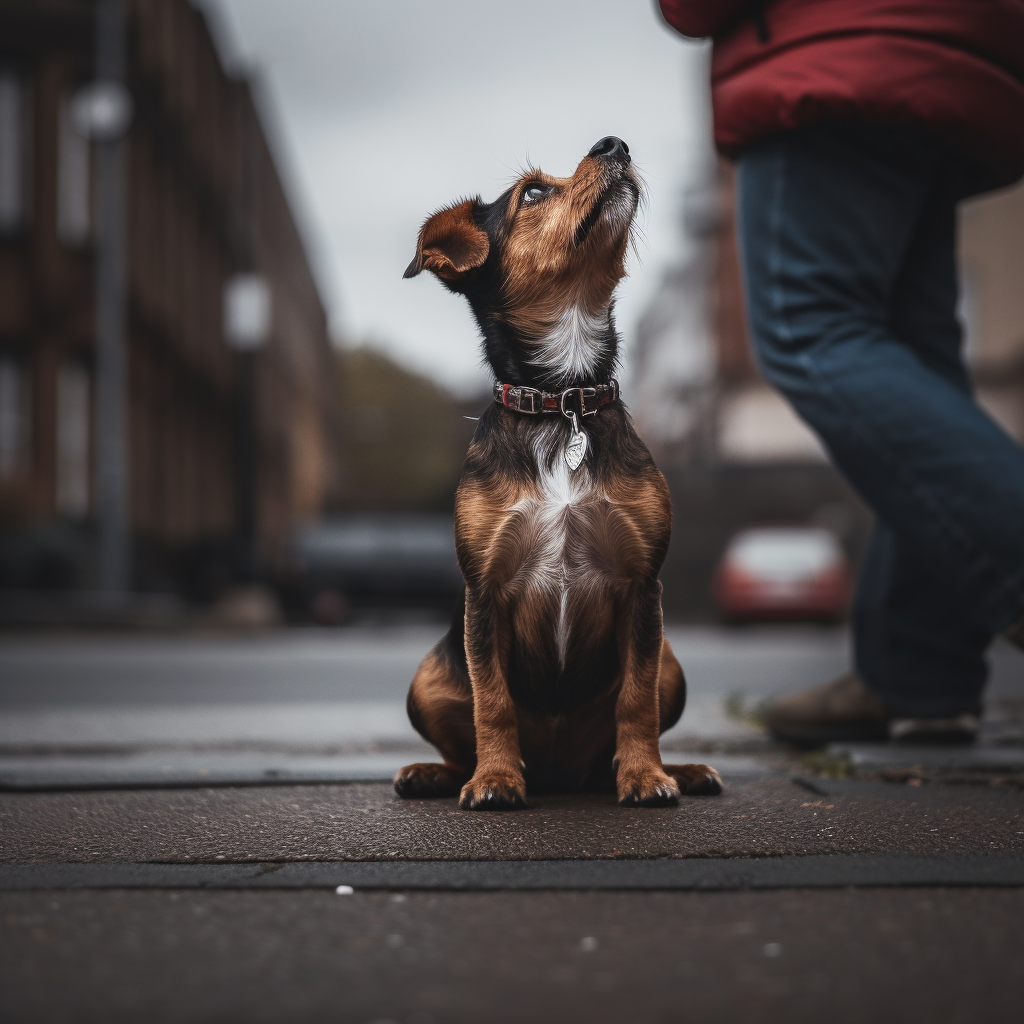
<point>575,450</point>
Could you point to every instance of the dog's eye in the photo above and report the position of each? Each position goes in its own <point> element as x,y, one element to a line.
<point>534,192</point>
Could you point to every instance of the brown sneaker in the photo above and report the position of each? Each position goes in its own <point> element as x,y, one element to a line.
<point>839,711</point>
<point>846,711</point>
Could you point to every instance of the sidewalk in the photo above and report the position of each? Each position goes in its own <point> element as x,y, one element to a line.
<point>769,903</point>
<point>861,883</point>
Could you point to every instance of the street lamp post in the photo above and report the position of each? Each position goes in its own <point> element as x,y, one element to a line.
<point>247,314</point>
<point>102,112</point>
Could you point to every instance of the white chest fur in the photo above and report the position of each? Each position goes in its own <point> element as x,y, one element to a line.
<point>560,493</point>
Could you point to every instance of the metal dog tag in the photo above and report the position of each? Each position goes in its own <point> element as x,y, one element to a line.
<point>576,449</point>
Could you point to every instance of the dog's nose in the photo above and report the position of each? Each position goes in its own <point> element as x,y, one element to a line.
<point>611,148</point>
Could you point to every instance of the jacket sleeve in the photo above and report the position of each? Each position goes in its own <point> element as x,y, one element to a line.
<point>697,18</point>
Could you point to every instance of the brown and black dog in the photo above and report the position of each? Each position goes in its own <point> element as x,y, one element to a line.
<point>555,674</point>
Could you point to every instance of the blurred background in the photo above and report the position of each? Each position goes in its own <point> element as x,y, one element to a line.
<point>220,403</point>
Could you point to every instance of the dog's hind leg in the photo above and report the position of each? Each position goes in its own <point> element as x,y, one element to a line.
<point>692,779</point>
<point>440,708</point>
<point>671,689</point>
<point>425,780</point>
<point>695,779</point>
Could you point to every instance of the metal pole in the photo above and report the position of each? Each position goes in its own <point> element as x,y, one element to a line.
<point>111,449</point>
<point>245,465</point>
<point>246,331</point>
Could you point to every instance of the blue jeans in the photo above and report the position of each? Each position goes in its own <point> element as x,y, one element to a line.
<point>847,235</point>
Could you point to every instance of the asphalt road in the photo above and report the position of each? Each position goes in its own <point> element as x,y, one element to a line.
<point>319,689</point>
<point>376,664</point>
<point>358,664</point>
<point>329,705</point>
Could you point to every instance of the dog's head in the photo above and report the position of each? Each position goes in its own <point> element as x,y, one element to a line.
<point>539,265</point>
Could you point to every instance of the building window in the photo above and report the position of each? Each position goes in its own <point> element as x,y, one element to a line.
<point>14,153</point>
<point>73,194</point>
<point>73,437</point>
<point>15,419</point>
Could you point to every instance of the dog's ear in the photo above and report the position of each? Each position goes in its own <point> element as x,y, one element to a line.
<point>450,243</point>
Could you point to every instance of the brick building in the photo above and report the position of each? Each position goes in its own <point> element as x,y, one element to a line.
<point>203,203</point>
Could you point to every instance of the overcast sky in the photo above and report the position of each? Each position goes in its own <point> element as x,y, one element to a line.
<point>383,110</point>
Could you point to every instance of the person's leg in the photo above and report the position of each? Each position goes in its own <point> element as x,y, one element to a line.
<point>911,638</point>
<point>828,223</point>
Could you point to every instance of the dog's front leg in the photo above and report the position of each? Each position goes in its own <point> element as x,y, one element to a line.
<point>497,784</point>
<point>640,778</point>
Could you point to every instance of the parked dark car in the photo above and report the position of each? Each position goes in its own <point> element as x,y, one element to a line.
<point>390,559</point>
<point>783,572</point>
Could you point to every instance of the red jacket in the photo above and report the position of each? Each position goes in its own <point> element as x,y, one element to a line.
<point>952,67</point>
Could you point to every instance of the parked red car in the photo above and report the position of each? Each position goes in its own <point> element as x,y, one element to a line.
<point>783,572</point>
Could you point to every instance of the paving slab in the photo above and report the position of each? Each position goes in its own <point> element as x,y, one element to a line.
<point>177,768</point>
<point>942,956</point>
<point>366,821</point>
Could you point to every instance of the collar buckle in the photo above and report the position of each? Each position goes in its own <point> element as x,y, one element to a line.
<point>587,398</point>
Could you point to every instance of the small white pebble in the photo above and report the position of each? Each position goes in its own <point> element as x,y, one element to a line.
<point>344,890</point>
<point>588,943</point>
<point>399,898</point>
<point>772,949</point>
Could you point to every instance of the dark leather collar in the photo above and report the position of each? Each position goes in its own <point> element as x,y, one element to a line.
<point>584,401</point>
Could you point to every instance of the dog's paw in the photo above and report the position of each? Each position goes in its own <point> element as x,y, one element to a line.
<point>429,780</point>
<point>696,779</point>
<point>493,793</point>
<point>649,787</point>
